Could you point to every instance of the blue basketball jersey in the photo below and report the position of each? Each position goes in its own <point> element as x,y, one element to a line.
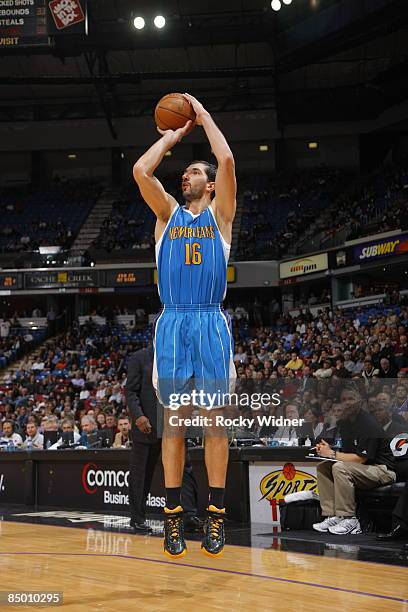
<point>192,259</point>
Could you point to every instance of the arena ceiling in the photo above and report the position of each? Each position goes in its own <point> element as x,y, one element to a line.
<point>315,60</point>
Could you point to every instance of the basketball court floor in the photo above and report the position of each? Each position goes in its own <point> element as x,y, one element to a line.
<point>98,563</point>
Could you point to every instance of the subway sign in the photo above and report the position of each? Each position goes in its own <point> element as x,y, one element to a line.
<point>385,247</point>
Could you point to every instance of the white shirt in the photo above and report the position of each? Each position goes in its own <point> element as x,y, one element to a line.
<point>15,438</point>
<point>37,441</point>
<point>37,366</point>
<point>4,328</point>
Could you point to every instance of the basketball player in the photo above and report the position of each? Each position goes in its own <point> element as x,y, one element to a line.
<point>193,343</point>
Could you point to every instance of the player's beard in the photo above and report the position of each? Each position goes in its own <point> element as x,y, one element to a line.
<point>193,193</point>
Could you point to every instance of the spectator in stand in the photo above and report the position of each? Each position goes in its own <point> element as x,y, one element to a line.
<point>88,426</point>
<point>340,370</point>
<point>123,437</point>
<point>387,370</point>
<point>67,426</point>
<point>111,424</point>
<point>295,363</point>
<point>8,434</point>
<point>331,430</point>
<point>34,437</point>
<point>101,420</point>
<point>325,371</point>
<point>400,402</point>
<point>93,376</point>
<point>78,380</point>
<point>38,365</point>
<point>314,416</point>
<point>50,423</point>
<point>391,424</point>
<point>369,371</point>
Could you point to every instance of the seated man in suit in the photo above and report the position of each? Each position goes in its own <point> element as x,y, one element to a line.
<point>146,446</point>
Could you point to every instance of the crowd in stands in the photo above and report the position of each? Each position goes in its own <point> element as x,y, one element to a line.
<point>280,213</point>
<point>80,374</point>
<point>277,210</point>
<point>33,217</point>
<point>15,340</point>
<point>77,380</point>
<point>130,226</point>
<point>276,221</point>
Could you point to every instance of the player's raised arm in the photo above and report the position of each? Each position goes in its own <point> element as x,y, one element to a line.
<point>225,181</point>
<point>150,187</point>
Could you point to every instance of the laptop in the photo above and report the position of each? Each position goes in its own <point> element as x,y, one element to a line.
<point>93,440</point>
<point>305,431</point>
<point>67,438</point>
<point>50,438</point>
<point>105,436</point>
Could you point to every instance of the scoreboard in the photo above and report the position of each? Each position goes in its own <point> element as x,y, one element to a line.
<point>23,23</point>
<point>26,23</point>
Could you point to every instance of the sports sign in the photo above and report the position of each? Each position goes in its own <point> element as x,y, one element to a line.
<point>269,483</point>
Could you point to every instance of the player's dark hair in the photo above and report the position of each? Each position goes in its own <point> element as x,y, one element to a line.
<point>210,169</point>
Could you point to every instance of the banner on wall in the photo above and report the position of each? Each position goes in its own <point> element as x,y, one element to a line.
<point>95,486</point>
<point>384,247</point>
<point>270,482</point>
<point>303,265</point>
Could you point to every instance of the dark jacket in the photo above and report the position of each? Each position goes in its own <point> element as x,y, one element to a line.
<point>141,396</point>
<point>364,436</point>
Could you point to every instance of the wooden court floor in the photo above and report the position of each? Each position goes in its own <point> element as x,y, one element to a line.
<point>106,571</point>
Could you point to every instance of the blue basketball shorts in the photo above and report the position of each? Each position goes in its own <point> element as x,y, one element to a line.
<point>193,356</point>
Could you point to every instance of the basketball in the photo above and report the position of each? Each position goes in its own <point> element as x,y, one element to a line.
<point>289,471</point>
<point>173,111</point>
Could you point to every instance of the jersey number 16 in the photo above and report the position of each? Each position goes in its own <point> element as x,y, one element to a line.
<point>193,254</point>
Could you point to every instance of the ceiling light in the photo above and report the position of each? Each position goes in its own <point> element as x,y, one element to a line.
<point>159,21</point>
<point>139,23</point>
<point>287,2</point>
<point>276,5</point>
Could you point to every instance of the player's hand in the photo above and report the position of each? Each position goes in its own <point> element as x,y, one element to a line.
<point>323,449</point>
<point>143,424</point>
<point>177,135</point>
<point>198,108</point>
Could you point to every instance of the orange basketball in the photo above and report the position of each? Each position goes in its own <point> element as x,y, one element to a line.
<point>173,111</point>
<point>289,471</point>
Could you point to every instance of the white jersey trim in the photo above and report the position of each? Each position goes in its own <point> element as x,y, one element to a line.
<point>160,240</point>
<point>226,247</point>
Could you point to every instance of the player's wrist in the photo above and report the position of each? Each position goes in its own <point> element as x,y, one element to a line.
<point>202,116</point>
